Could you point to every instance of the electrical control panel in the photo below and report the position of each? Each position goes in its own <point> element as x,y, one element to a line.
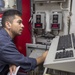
<point>39,21</point>
<point>56,20</point>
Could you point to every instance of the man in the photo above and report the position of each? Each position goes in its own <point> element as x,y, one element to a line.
<point>9,55</point>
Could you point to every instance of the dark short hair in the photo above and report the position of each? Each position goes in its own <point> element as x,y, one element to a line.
<point>9,15</point>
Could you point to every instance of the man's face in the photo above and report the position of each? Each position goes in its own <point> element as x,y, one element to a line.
<point>17,26</point>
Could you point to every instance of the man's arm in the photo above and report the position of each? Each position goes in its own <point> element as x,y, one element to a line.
<point>39,60</point>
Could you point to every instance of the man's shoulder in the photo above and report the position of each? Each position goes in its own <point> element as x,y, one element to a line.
<point>1,31</point>
<point>3,34</point>
<point>4,38</point>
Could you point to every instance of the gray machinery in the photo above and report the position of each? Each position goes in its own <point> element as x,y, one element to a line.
<point>53,66</point>
<point>61,55</point>
<point>47,1</point>
<point>39,25</point>
<point>35,47</point>
<point>42,1</point>
<point>34,51</point>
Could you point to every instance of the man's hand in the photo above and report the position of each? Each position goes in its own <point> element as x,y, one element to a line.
<point>45,54</point>
<point>41,58</point>
<point>12,69</point>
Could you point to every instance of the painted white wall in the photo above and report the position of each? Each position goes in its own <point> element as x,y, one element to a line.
<point>9,3</point>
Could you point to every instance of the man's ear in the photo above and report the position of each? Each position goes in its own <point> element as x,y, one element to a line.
<point>8,25</point>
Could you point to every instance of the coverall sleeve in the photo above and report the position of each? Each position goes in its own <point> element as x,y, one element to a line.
<point>10,55</point>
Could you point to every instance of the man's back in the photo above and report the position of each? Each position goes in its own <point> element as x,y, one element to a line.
<point>2,45</point>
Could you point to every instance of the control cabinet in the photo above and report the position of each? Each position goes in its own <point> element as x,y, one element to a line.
<point>56,20</point>
<point>39,21</point>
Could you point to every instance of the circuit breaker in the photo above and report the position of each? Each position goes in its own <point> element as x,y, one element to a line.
<point>56,20</point>
<point>39,21</point>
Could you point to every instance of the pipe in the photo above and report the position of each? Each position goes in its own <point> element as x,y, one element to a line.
<point>56,1</point>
